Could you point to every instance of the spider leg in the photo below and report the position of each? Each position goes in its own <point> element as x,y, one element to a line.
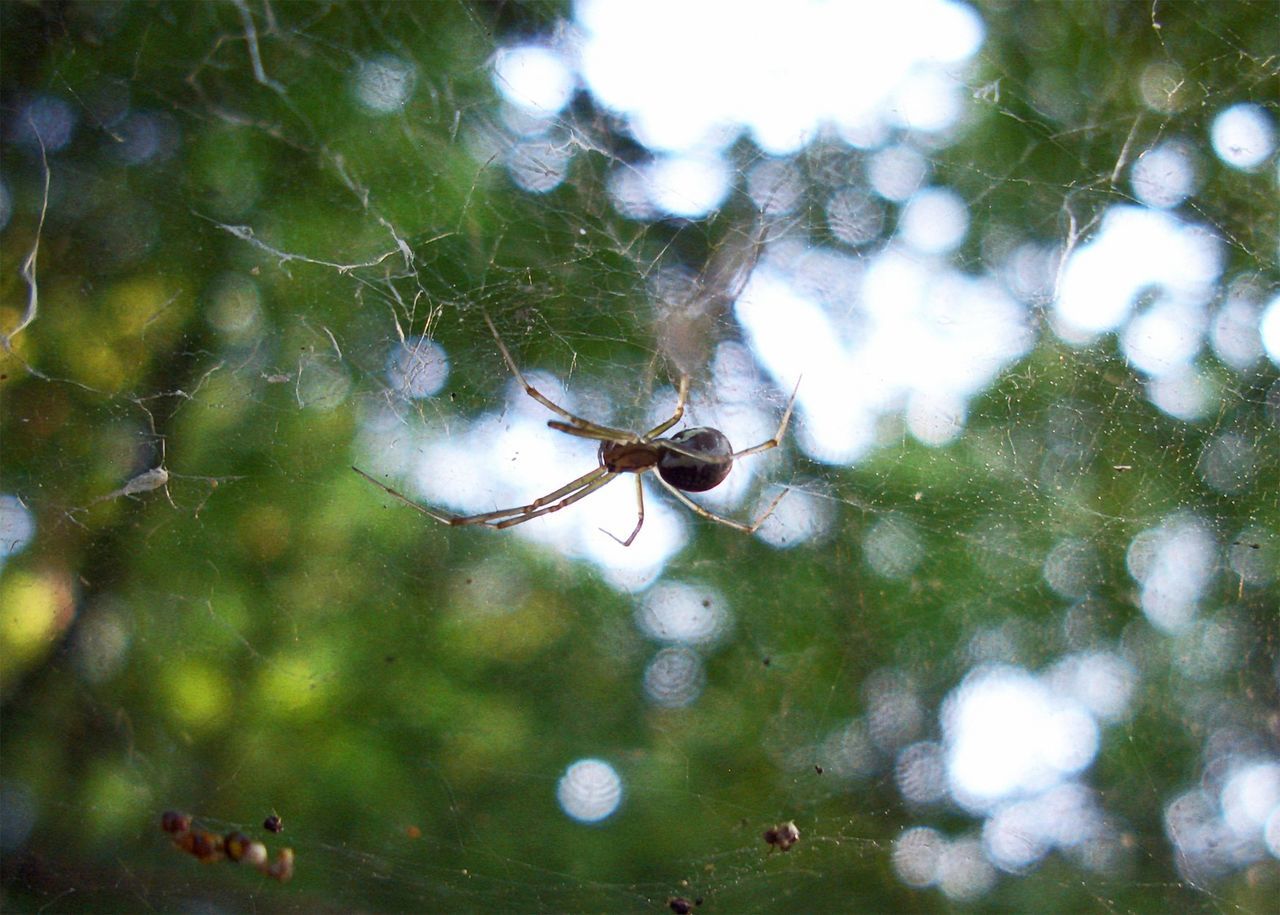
<point>523,512</point>
<point>528,388</point>
<point>443,519</point>
<point>592,431</point>
<point>728,522</point>
<point>488,517</point>
<point>777,436</point>
<point>584,429</point>
<point>681,397</point>
<point>588,489</point>
<point>639,519</point>
<point>586,478</point>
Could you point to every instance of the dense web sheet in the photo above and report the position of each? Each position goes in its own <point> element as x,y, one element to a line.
<point>1008,639</point>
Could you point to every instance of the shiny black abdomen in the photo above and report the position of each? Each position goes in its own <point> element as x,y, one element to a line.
<point>706,460</point>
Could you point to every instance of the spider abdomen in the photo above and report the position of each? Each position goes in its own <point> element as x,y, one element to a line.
<point>703,460</point>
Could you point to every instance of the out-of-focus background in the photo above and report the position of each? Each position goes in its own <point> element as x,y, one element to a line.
<point>1009,641</point>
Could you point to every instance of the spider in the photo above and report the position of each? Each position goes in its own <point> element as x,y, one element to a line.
<point>783,836</point>
<point>692,460</point>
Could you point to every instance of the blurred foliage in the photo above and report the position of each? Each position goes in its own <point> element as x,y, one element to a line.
<point>261,633</point>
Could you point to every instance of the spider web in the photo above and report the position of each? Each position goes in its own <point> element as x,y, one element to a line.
<point>1009,638</point>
